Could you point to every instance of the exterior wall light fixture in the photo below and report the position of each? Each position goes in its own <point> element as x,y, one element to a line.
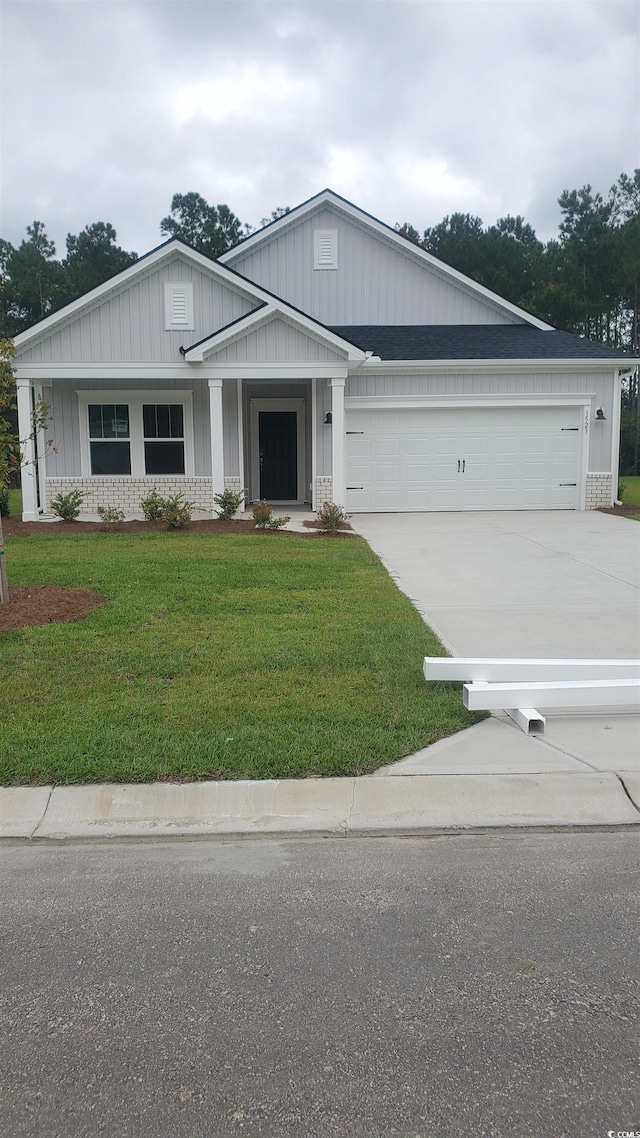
<point>600,416</point>
<point>328,419</point>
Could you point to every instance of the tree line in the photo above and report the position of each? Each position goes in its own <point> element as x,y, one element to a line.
<point>586,280</point>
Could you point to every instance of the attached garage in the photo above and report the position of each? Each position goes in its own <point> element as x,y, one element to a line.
<point>464,458</point>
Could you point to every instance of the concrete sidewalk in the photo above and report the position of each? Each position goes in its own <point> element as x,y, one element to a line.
<point>491,775</point>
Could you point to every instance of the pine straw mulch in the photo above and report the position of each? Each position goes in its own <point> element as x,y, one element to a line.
<point>15,527</point>
<point>46,604</point>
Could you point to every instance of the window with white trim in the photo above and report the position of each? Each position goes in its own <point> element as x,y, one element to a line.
<point>109,438</point>
<point>163,429</point>
<point>178,303</point>
<point>325,248</point>
<point>137,433</point>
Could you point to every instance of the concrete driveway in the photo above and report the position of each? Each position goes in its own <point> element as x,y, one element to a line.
<point>551,584</point>
<point>548,583</point>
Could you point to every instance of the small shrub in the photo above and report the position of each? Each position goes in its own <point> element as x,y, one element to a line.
<point>67,506</point>
<point>5,508</point>
<point>228,503</point>
<point>331,516</point>
<point>176,512</point>
<point>152,506</point>
<point>622,486</point>
<point>265,518</point>
<point>110,515</point>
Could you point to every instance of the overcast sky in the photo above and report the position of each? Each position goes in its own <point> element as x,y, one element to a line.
<point>412,109</point>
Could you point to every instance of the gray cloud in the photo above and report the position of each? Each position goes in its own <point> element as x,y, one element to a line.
<point>411,109</point>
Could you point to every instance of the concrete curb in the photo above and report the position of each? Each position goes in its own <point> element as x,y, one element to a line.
<point>344,807</point>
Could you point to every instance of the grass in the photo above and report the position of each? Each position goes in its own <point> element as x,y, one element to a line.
<point>15,502</point>
<point>216,657</point>
<point>631,493</point>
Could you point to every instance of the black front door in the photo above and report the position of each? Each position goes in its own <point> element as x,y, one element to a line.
<point>278,441</point>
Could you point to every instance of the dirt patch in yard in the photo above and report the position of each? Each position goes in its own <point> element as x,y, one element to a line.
<point>46,604</point>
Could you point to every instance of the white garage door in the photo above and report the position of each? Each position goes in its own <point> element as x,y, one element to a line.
<point>498,458</point>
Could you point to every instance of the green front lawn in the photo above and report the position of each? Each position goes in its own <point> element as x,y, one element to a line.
<point>631,493</point>
<point>15,503</point>
<point>216,657</point>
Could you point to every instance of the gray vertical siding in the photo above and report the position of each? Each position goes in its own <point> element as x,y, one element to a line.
<point>129,326</point>
<point>504,383</point>
<point>376,282</point>
<point>275,342</point>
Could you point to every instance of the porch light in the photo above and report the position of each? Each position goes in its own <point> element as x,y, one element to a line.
<point>600,416</point>
<point>328,419</point>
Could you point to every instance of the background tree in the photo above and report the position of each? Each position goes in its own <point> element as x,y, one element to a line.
<point>92,258</point>
<point>208,228</point>
<point>33,281</point>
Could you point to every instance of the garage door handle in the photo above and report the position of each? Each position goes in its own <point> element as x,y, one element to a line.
<point>458,466</point>
<point>464,463</point>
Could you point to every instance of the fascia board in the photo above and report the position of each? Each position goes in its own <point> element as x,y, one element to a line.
<point>367,220</point>
<point>146,264</point>
<point>491,365</point>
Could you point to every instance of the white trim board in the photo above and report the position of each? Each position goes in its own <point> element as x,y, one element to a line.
<point>410,402</point>
<point>491,669</point>
<point>480,696</point>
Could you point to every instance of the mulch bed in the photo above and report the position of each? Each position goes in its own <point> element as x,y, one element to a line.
<point>621,511</point>
<point>46,604</point>
<point>15,527</point>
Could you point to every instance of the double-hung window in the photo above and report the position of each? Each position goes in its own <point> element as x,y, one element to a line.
<point>109,438</point>
<point>163,429</point>
<point>136,433</point>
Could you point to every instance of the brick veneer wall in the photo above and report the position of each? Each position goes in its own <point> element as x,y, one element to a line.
<point>126,493</point>
<point>599,487</point>
<point>324,491</point>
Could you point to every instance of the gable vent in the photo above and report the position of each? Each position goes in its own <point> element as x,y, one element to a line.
<point>325,249</point>
<point>179,305</point>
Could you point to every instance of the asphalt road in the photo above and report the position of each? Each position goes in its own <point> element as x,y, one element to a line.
<point>459,986</point>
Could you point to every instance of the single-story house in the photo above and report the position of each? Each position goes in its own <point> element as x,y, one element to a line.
<point>323,358</point>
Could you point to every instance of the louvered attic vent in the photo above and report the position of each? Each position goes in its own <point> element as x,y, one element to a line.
<point>179,305</point>
<point>326,249</point>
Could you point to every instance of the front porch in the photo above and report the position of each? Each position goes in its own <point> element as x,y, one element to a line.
<point>281,440</point>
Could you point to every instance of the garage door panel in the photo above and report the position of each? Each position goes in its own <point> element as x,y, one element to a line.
<point>466,458</point>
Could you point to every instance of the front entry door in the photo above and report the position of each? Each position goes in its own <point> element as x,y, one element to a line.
<point>278,446</point>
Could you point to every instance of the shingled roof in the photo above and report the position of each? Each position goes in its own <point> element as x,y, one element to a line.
<point>473,342</point>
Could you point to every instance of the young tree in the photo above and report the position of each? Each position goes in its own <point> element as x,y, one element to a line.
<point>11,448</point>
<point>208,228</point>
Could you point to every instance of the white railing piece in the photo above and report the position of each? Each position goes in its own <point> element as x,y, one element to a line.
<point>474,668</point>
<point>527,719</point>
<point>481,696</point>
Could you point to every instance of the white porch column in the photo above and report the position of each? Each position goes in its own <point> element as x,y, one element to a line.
<point>337,441</point>
<point>217,435</point>
<point>28,472</point>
